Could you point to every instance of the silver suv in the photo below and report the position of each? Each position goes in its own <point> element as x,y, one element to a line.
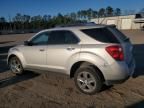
<point>93,55</point>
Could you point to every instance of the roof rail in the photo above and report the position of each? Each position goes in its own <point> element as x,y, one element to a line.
<point>78,24</point>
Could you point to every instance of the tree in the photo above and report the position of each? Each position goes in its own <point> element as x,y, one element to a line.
<point>2,23</point>
<point>2,20</point>
<point>81,15</point>
<point>89,13</point>
<point>36,22</point>
<point>46,17</point>
<point>73,15</point>
<point>84,14</point>
<point>18,21</point>
<point>26,18</point>
<point>117,12</point>
<point>18,17</point>
<point>78,14</point>
<point>109,11</point>
<point>26,22</point>
<point>101,12</point>
<point>142,12</point>
<point>94,14</point>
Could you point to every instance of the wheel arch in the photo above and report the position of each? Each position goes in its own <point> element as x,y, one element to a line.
<point>92,59</point>
<point>19,56</point>
<point>76,65</point>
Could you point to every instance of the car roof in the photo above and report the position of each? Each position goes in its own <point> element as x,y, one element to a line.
<point>71,28</point>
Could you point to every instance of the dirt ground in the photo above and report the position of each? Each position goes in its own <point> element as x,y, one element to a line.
<point>50,90</point>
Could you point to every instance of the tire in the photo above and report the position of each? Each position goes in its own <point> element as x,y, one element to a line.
<point>87,80</point>
<point>16,66</point>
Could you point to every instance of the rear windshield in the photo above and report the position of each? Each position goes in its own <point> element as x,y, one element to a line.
<point>119,34</point>
<point>101,34</point>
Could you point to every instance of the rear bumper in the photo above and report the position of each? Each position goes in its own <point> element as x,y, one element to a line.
<point>120,72</point>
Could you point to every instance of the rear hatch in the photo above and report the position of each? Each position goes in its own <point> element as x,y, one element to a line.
<point>111,35</point>
<point>126,44</point>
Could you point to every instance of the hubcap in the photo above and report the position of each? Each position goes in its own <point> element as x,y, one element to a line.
<point>86,81</point>
<point>15,65</point>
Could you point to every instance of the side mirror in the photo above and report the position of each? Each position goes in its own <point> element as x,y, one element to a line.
<point>27,43</point>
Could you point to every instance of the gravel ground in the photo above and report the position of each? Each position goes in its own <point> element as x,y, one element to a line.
<point>51,90</point>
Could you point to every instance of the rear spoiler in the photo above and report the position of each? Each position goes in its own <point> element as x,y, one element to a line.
<point>112,25</point>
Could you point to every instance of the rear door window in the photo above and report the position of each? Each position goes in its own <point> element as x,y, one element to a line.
<point>62,37</point>
<point>101,34</point>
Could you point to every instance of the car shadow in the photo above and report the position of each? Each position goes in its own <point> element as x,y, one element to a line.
<point>106,87</point>
<point>4,49</point>
<point>138,52</point>
<point>16,79</point>
<point>137,105</point>
<point>3,57</point>
<point>3,66</point>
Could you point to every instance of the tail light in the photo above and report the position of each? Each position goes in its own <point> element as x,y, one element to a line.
<point>116,52</point>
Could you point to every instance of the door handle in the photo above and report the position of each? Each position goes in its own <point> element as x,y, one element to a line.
<point>70,48</point>
<point>42,50</point>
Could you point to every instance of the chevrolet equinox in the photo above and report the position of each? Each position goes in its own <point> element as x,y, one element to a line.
<point>93,55</point>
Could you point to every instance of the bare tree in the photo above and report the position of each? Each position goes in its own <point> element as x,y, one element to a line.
<point>109,11</point>
<point>117,12</point>
<point>101,12</point>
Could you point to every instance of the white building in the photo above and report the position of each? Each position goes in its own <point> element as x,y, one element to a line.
<point>122,22</point>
